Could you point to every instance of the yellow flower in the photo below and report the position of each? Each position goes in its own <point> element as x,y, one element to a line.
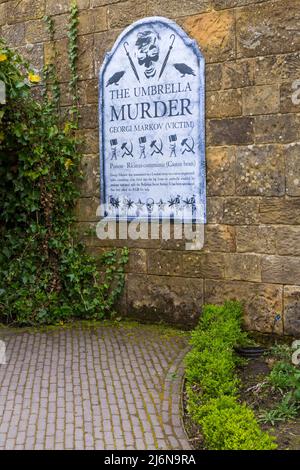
<point>33,78</point>
<point>67,127</point>
<point>3,57</point>
<point>68,163</point>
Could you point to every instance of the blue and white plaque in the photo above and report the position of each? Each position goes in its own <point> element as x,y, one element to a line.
<point>152,124</point>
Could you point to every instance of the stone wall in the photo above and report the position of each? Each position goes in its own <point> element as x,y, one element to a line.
<point>252,240</point>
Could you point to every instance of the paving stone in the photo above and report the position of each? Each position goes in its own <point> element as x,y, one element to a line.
<point>100,415</point>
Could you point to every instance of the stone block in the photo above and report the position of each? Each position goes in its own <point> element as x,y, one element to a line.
<point>214,210</point>
<point>281,269</point>
<point>34,54</point>
<point>130,11</point>
<point>288,240</point>
<point>263,99</point>
<point>235,131</point>
<point>260,170</point>
<point>267,70</point>
<point>220,4</point>
<point>175,300</point>
<point>57,7</point>
<point>223,104</point>
<point>204,265</point>
<point>167,263</point>
<point>269,28</point>
<point>90,185</point>
<point>215,33</point>
<point>287,102</point>
<point>137,262</point>
<point>61,25</point>
<point>89,140</point>
<point>62,65</point>
<point>277,68</point>
<point>177,8</point>
<point>262,302</point>
<point>92,21</point>
<point>36,31</point>
<point>241,211</point>
<point>243,267</point>
<point>100,3</point>
<point>14,35</point>
<point>292,162</point>
<point>65,96</point>
<point>278,128</point>
<point>220,163</point>
<point>256,239</point>
<point>88,92</point>
<point>219,238</point>
<point>279,211</point>
<point>86,209</point>
<point>213,77</point>
<point>88,117</point>
<point>19,11</point>
<point>238,74</point>
<point>103,42</point>
<point>290,66</point>
<point>292,310</point>
<point>86,57</point>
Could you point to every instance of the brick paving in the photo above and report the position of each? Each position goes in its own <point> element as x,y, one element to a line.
<point>104,387</point>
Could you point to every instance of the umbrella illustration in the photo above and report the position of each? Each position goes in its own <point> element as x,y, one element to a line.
<point>167,56</point>
<point>125,45</point>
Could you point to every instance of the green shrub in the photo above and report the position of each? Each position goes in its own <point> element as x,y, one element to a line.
<point>212,384</point>
<point>228,425</point>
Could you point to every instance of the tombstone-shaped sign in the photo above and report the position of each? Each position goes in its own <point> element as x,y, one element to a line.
<point>152,124</point>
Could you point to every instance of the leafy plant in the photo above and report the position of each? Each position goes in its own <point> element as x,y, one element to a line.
<point>285,410</point>
<point>212,385</point>
<point>45,273</point>
<point>285,378</point>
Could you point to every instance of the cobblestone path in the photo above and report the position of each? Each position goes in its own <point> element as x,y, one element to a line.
<point>103,387</point>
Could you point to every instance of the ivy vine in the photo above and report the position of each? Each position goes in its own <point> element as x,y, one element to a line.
<point>73,58</point>
<point>46,276</point>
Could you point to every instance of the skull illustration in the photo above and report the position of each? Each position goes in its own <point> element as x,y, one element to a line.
<point>150,204</point>
<point>148,51</point>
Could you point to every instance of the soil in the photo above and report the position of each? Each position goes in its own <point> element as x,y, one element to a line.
<point>252,376</point>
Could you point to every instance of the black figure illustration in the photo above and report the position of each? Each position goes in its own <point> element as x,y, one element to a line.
<point>172,37</point>
<point>142,142</point>
<point>188,145</point>
<point>150,204</point>
<point>172,140</point>
<point>148,51</point>
<point>156,148</point>
<point>190,202</point>
<point>125,45</point>
<point>129,203</point>
<point>115,78</point>
<point>184,69</point>
<point>172,201</point>
<point>127,151</point>
<point>161,204</point>
<point>114,202</point>
<point>113,144</point>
